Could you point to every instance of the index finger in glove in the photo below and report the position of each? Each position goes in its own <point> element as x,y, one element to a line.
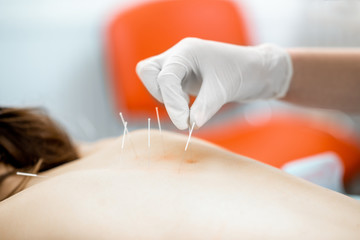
<point>148,71</point>
<point>175,99</point>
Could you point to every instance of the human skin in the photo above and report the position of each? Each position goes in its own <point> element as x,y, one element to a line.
<point>203,193</point>
<point>325,78</point>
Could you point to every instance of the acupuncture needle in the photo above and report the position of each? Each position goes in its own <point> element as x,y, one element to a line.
<point>124,135</point>
<point>29,174</point>
<point>123,140</point>
<point>162,138</point>
<point>187,145</point>
<point>127,132</point>
<point>188,140</point>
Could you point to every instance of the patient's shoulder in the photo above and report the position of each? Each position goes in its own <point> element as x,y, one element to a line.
<point>69,205</point>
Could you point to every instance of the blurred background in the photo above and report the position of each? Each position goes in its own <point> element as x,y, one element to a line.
<point>52,52</point>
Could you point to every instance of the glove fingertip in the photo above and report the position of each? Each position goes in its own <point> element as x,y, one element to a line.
<point>178,116</point>
<point>139,66</point>
<point>181,125</point>
<point>203,109</point>
<point>180,121</point>
<point>148,73</point>
<point>196,118</point>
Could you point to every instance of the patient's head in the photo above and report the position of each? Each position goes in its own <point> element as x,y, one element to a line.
<point>28,135</point>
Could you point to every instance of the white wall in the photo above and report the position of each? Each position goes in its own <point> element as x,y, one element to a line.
<point>312,23</point>
<point>51,55</point>
<point>51,51</point>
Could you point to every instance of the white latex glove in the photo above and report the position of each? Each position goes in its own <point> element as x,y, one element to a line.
<point>217,73</point>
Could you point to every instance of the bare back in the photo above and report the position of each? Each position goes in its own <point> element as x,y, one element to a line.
<point>164,193</point>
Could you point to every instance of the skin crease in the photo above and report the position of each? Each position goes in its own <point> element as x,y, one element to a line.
<point>205,193</point>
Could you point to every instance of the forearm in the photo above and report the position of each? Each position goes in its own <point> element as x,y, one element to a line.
<point>326,78</point>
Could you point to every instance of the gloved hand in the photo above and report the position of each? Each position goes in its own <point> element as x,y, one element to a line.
<point>217,73</point>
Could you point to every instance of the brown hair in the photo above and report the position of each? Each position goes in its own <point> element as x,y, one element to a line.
<point>31,141</point>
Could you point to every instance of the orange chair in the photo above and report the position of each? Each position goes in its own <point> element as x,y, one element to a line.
<point>285,137</point>
<point>151,28</point>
